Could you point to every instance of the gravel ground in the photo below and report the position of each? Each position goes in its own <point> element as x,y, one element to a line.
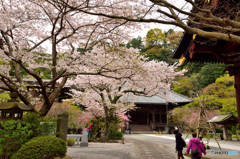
<point>103,151</point>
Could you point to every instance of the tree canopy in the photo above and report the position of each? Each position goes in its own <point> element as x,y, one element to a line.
<point>209,19</point>
<point>40,39</point>
<point>134,75</point>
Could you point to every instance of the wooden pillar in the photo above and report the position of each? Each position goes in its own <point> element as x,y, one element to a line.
<point>235,71</point>
<point>167,114</point>
<point>148,117</point>
<point>159,117</point>
<point>237,89</point>
<point>153,118</point>
<point>224,133</point>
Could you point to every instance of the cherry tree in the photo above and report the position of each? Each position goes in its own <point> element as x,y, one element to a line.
<point>45,35</point>
<point>130,74</point>
<point>212,19</point>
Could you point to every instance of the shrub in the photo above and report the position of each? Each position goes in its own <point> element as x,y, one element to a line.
<point>235,136</point>
<point>34,120</point>
<point>117,135</point>
<point>47,128</point>
<point>210,135</point>
<point>13,133</point>
<point>113,131</point>
<point>70,141</point>
<point>40,126</point>
<point>43,147</point>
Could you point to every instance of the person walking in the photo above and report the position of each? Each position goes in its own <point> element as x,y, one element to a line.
<point>196,147</point>
<point>89,130</point>
<point>180,143</point>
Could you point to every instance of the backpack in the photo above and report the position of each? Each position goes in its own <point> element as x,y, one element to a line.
<point>195,152</point>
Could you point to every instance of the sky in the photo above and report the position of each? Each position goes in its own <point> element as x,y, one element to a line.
<point>149,26</point>
<point>179,3</point>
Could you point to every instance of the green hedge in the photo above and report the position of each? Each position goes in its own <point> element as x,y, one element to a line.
<point>13,133</point>
<point>117,135</point>
<point>70,141</point>
<point>40,126</point>
<point>43,147</point>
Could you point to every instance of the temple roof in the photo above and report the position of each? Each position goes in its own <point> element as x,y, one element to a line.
<point>192,51</point>
<point>171,97</point>
<point>14,105</point>
<point>223,118</point>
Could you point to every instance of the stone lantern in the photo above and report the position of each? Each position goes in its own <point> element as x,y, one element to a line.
<point>13,110</point>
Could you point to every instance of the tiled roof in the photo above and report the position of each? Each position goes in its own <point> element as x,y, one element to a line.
<point>222,118</point>
<point>171,97</point>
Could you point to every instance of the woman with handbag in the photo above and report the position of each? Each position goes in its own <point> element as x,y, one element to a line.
<point>180,143</point>
<point>196,147</point>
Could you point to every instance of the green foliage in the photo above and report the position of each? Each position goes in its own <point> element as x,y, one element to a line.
<point>235,136</point>
<point>193,68</point>
<point>157,53</point>
<point>135,43</point>
<point>155,37</point>
<point>44,147</point>
<point>223,94</point>
<point>12,135</point>
<point>210,136</point>
<point>209,73</point>
<point>4,97</point>
<point>203,74</point>
<point>34,120</point>
<point>70,141</point>
<point>44,73</point>
<point>183,86</point>
<point>97,127</point>
<point>117,135</point>
<point>40,126</point>
<point>113,131</point>
<point>47,127</point>
<point>160,45</point>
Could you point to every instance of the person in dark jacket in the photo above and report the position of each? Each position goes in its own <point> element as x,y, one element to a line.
<point>179,144</point>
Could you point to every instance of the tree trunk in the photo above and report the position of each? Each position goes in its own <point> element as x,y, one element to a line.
<point>107,121</point>
<point>45,109</point>
<point>47,105</point>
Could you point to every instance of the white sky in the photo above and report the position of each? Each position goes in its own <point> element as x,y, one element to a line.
<point>149,26</point>
<point>179,3</point>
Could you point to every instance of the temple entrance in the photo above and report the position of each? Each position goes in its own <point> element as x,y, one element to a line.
<point>149,117</point>
<point>138,118</point>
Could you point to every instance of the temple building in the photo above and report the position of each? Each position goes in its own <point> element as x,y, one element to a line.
<point>154,113</point>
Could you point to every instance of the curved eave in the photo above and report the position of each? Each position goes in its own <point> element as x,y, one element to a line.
<point>183,46</point>
<point>223,118</point>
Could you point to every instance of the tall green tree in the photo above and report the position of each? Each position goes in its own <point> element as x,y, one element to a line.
<point>200,75</point>
<point>136,43</point>
<point>161,45</point>
<point>223,94</point>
